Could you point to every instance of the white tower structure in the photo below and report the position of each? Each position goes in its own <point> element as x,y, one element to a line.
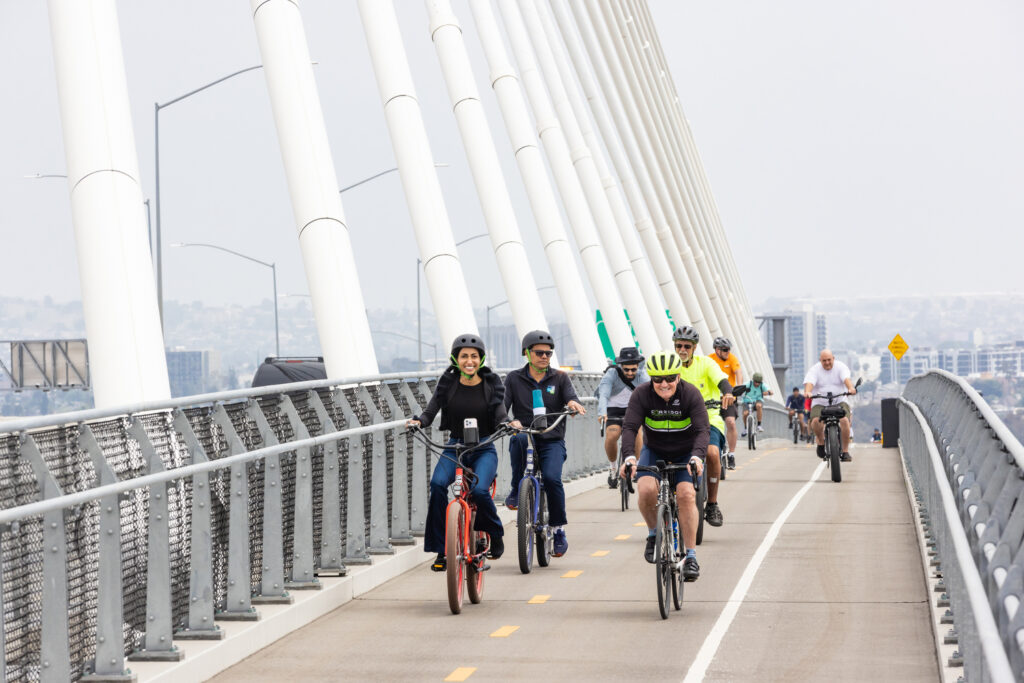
<point>441,264</point>
<point>520,287</point>
<point>122,322</point>
<point>330,265</point>
<point>543,204</point>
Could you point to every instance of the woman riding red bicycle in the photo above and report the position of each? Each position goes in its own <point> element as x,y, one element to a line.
<point>466,389</point>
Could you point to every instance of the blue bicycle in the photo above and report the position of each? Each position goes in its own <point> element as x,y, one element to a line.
<point>532,512</point>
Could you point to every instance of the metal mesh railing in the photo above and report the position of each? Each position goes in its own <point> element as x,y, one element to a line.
<point>966,470</point>
<point>195,491</point>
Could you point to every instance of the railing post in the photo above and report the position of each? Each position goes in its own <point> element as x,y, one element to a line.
<point>400,532</point>
<point>55,647</point>
<point>379,526</point>
<point>200,601</point>
<point>330,499</point>
<point>109,663</point>
<point>302,577</point>
<point>271,589</point>
<point>355,495</point>
<point>420,466</point>
<point>158,645</point>
<point>238,605</point>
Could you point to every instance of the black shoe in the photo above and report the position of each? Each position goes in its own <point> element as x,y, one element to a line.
<point>497,547</point>
<point>649,550</point>
<point>713,515</point>
<point>691,570</point>
<point>440,564</point>
<point>821,452</point>
<point>613,481</point>
<point>846,457</point>
<point>732,461</point>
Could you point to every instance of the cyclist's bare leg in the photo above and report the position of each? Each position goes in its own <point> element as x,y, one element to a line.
<point>760,412</point>
<point>686,499</point>
<point>730,433</point>
<point>714,466</point>
<point>803,424</point>
<point>611,442</point>
<point>647,492</point>
<point>791,413</point>
<point>818,427</point>
<point>844,433</point>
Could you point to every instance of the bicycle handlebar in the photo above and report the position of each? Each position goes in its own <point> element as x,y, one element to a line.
<point>531,430</point>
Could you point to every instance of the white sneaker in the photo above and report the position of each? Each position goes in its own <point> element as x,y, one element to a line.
<point>760,428</point>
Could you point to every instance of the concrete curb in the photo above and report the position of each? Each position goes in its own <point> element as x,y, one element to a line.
<point>205,659</point>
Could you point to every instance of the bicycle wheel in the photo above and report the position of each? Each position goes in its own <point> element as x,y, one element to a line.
<point>832,446</point>
<point>796,432</point>
<point>454,549</point>
<point>751,437</point>
<point>475,577</point>
<point>524,524</point>
<point>724,462</point>
<point>624,493</point>
<point>677,570</point>
<point>543,532</point>
<point>663,558</point>
<point>702,499</point>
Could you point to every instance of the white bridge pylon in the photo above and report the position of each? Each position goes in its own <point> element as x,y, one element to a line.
<point>591,98</point>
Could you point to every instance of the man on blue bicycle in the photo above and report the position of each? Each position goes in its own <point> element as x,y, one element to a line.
<point>676,430</point>
<point>557,393</point>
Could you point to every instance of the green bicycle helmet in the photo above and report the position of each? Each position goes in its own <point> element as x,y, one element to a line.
<point>664,364</point>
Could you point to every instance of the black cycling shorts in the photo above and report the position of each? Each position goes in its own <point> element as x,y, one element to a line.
<point>616,416</point>
<point>731,411</point>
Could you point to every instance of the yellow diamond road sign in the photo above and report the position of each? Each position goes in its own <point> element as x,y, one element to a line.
<point>898,347</point>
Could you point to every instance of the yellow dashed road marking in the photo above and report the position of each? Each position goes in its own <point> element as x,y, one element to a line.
<point>572,574</point>
<point>599,553</point>
<point>622,537</point>
<point>461,674</point>
<point>504,632</point>
<point>538,599</point>
<point>640,524</point>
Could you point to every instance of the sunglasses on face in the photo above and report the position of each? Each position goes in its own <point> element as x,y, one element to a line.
<point>684,346</point>
<point>664,380</point>
<point>542,354</point>
<point>629,370</point>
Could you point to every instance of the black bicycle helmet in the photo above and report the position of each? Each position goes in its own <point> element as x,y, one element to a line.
<point>534,337</point>
<point>722,343</point>
<point>686,333</point>
<point>467,341</point>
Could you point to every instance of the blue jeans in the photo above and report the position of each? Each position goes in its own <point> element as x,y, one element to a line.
<point>484,463</point>
<point>548,456</point>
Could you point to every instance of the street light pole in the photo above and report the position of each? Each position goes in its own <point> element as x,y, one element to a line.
<point>156,159</point>
<point>273,270</point>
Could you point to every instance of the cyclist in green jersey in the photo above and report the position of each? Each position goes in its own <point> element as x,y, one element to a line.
<point>708,377</point>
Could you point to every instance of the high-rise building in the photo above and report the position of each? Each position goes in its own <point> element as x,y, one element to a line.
<point>189,372</point>
<point>806,335</point>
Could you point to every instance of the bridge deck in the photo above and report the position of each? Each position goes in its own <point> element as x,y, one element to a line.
<point>840,594</point>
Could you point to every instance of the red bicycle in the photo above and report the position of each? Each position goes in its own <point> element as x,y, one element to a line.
<point>464,547</point>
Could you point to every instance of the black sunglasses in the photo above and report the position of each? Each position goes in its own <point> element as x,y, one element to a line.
<point>629,369</point>
<point>662,380</point>
<point>684,346</point>
<point>542,354</point>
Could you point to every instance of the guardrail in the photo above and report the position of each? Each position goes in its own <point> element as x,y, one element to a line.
<point>968,474</point>
<point>128,529</point>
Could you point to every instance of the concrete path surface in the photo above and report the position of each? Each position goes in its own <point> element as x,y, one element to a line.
<point>836,592</point>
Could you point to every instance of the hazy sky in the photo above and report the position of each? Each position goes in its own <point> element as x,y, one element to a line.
<point>875,146</point>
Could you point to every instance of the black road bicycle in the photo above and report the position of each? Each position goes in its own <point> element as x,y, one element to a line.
<point>669,552</point>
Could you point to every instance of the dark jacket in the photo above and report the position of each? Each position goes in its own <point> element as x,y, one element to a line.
<point>556,388</point>
<point>675,430</point>
<point>494,393</point>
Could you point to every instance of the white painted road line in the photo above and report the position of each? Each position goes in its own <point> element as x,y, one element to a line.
<point>707,651</point>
